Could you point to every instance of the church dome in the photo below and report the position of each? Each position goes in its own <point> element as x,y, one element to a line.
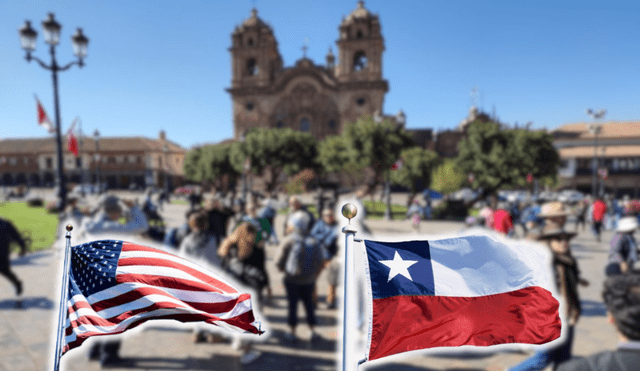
<point>252,22</point>
<point>359,13</point>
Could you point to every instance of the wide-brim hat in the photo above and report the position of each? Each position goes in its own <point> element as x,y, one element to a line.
<point>627,224</point>
<point>557,232</point>
<point>552,229</point>
<point>554,209</point>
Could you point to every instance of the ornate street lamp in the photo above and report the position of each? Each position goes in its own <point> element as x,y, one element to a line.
<point>595,128</point>
<point>52,37</point>
<point>96,135</point>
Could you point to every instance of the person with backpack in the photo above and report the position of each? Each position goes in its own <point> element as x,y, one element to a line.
<point>301,260</point>
<point>623,254</point>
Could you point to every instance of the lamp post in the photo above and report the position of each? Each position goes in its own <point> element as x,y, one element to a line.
<point>165,149</point>
<point>96,135</point>
<point>244,171</point>
<point>52,37</point>
<point>594,129</point>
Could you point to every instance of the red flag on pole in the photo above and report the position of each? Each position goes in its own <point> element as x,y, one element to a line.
<point>397,165</point>
<point>43,119</point>
<point>72,141</point>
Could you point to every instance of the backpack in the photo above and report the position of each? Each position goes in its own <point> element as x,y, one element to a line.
<point>305,259</point>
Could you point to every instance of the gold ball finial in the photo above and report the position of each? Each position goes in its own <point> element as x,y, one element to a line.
<point>349,211</point>
<point>69,227</point>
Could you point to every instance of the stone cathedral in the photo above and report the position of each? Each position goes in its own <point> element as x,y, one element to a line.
<point>319,99</point>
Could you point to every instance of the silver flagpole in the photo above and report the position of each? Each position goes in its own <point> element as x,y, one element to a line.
<point>63,299</point>
<point>349,211</point>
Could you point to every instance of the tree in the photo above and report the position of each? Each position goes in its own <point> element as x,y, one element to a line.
<point>210,164</point>
<point>448,177</point>
<point>193,172</point>
<point>415,171</point>
<point>336,156</point>
<point>376,144</point>
<point>275,151</point>
<point>501,157</point>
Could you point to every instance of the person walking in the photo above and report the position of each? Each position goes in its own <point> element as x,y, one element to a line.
<point>107,224</point>
<point>502,221</point>
<point>9,234</point>
<point>599,210</point>
<point>301,262</point>
<point>623,254</point>
<point>621,295</point>
<point>244,260</point>
<point>325,234</point>
<point>567,278</point>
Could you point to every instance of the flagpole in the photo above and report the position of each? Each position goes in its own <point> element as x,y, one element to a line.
<point>349,211</point>
<point>63,299</point>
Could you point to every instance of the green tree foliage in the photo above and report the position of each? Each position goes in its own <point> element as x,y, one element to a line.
<point>210,164</point>
<point>448,177</point>
<point>417,166</point>
<point>376,144</point>
<point>336,156</point>
<point>500,157</point>
<point>193,172</point>
<point>275,151</point>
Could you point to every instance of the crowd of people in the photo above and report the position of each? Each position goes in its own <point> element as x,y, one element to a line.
<point>232,235</point>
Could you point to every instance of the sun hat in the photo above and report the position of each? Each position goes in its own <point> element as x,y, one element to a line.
<point>553,209</point>
<point>627,224</point>
<point>552,229</point>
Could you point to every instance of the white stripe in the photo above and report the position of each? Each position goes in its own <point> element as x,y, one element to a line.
<point>184,295</point>
<point>239,309</point>
<point>175,259</point>
<point>482,265</point>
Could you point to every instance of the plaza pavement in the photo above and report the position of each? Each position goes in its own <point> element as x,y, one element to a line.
<point>26,340</point>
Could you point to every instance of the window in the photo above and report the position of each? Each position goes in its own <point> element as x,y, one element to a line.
<point>359,61</point>
<point>133,159</point>
<point>78,162</point>
<point>252,67</point>
<point>359,34</point>
<point>49,163</point>
<point>332,124</point>
<point>249,106</point>
<point>361,101</point>
<point>120,159</point>
<point>26,160</point>
<point>13,161</point>
<point>305,124</point>
<point>280,124</point>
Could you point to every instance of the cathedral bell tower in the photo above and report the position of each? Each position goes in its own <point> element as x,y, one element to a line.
<point>254,54</point>
<point>360,47</point>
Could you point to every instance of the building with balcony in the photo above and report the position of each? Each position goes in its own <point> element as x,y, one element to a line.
<point>617,149</point>
<point>120,161</point>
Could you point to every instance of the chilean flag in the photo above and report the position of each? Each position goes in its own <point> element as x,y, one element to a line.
<point>472,290</point>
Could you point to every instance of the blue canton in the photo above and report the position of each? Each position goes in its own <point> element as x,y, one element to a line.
<point>421,272</point>
<point>93,267</point>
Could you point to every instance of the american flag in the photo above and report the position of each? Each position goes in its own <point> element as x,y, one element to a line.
<point>117,285</point>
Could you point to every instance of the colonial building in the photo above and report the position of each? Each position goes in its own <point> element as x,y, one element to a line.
<point>616,148</point>
<point>319,99</point>
<point>120,162</point>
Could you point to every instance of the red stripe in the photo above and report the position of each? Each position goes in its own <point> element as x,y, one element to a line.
<point>217,285</point>
<point>242,321</point>
<point>405,323</point>
<point>210,308</point>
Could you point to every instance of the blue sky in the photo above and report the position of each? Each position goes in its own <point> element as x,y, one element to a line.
<point>156,65</point>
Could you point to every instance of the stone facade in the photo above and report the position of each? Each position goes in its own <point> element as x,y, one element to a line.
<point>319,99</point>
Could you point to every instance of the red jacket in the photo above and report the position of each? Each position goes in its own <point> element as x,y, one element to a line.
<point>502,221</point>
<point>599,209</point>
